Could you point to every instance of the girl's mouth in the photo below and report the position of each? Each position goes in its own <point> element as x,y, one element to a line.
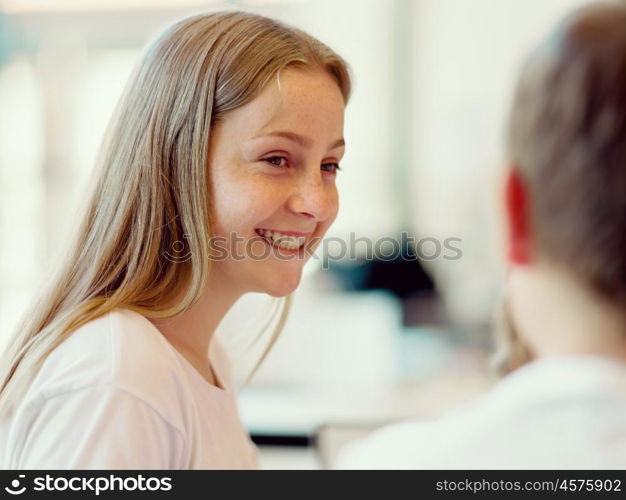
<point>283,241</point>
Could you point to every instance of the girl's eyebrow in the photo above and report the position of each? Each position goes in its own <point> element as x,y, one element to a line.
<point>301,140</point>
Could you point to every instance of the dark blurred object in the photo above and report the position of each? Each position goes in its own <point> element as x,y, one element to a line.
<point>400,276</point>
<point>400,273</point>
<point>403,276</point>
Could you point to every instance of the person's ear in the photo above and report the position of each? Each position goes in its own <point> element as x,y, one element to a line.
<point>517,208</point>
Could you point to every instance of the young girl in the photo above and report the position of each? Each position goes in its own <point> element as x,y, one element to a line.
<point>217,179</point>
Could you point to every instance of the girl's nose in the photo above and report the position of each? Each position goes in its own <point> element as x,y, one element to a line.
<point>313,198</point>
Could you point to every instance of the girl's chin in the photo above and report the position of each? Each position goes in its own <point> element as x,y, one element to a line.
<point>281,286</point>
<point>281,291</point>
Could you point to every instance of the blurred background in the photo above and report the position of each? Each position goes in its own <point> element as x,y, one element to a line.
<point>368,340</point>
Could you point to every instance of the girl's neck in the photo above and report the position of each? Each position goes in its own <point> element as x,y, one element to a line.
<point>191,331</point>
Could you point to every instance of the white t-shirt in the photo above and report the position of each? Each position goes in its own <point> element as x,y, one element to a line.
<point>117,395</point>
<point>557,413</point>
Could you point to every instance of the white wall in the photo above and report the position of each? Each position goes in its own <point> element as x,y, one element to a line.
<point>467,54</point>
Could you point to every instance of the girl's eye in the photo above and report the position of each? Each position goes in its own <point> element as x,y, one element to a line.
<point>333,168</point>
<point>277,161</point>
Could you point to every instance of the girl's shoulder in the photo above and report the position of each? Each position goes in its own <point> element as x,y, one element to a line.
<point>121,349</point>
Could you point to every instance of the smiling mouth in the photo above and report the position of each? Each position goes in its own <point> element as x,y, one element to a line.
<point>280,240</point>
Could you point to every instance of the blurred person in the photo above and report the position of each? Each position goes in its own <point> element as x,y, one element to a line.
<point>563,402</point>
<point>218,172</point>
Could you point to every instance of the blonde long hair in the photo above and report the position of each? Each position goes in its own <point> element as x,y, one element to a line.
<point>152,182</point>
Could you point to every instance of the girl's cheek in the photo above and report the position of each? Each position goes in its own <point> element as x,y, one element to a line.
<point>250,196</point>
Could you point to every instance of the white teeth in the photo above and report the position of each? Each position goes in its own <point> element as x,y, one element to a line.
<point>283,240</point>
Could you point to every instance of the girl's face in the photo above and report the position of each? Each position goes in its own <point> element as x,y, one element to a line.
<point>273,165</point>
